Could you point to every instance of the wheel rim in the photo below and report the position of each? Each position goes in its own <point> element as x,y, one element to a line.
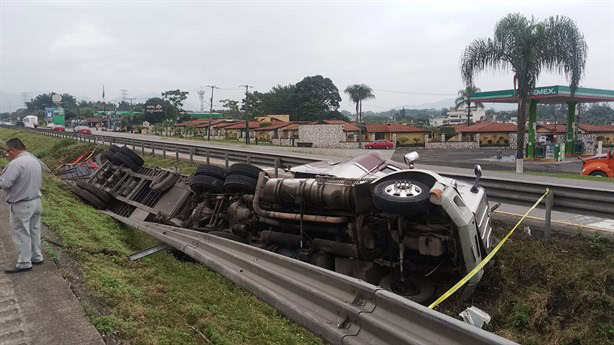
<point>403,189</point>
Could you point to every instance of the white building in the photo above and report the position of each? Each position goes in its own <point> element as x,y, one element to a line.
<point>437,120</point>
<point>459,116</point>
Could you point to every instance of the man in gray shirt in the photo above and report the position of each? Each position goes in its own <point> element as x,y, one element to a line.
<point>21,181</point>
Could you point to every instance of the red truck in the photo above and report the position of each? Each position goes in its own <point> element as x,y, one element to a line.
<point>599,165</point>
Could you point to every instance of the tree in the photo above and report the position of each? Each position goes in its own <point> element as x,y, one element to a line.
<point>231,108</point>
<point>358,93</point>
<point>175,97</point>
<point>155,110</point>
<point>464,99</point>
<point>315,97</point>
<point>527,46</point>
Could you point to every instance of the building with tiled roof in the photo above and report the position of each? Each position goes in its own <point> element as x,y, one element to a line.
<point>401,135</point>
<point>237,130</point>
<point>489,133</point>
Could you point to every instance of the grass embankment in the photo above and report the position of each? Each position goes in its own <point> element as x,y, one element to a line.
<point>159,299</point>
<point>556,292</point>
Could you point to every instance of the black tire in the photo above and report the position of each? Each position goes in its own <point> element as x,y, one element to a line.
<point>75,190</point>
<point>244,170</point>
<point>386,200</point>
<point>121,158</point>
<point>132,155</point>
<point>202,183</point>
<point>164,182</point>
<point>240,184</point>
<point>114,148</point>
<point>598,173</point>
<point>228,235</point>
<point>103,195</point>
<point>91,199</point>
<point>211,170</point>
<point>426,289</point>
<point>108,155</point>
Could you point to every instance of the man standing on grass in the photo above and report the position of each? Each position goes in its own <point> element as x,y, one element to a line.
<point>21,181</point>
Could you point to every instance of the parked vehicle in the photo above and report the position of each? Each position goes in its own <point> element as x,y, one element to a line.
<point>380,144</point>
<point>30,121</point>
<point>58,128</point>
<point>410,231</point>
<point>83,130</point>
<point>599,165</point>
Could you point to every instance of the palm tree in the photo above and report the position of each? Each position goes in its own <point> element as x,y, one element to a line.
<point>464,98</point>
<point>358,93</point>
<point>528,46</point>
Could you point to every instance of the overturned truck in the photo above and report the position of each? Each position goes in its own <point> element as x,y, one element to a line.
<point>407,230</point>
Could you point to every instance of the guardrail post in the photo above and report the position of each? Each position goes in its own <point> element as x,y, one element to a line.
<point>153,149</point>
<point>142,149</point>
<point>249,159</point>
<point>277,165</point>
<point>191,155</point>
<point>133,148</point>
<point>549,204</point>
<point>225,159</point>
<point>112,140</point>
<point>164,151</point>
<point>207,154</point>
<point>177,153</point>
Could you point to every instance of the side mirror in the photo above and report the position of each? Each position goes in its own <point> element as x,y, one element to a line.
<point>477,170</point>
<point>478,173</point>
<point>411,157</point>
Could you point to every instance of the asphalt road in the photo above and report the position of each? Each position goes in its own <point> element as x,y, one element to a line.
<point>488,161</point>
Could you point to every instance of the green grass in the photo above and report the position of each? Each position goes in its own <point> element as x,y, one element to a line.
<point>572,176</point>
<point>159,299</point>
<point>555,292</point>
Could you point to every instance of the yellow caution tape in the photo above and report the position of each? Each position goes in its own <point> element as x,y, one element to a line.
<point>487,259</point>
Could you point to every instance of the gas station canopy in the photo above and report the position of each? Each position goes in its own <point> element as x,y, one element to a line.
<point>557,94</point>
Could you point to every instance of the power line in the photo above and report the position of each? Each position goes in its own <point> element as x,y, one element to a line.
<point>124,94</point>
<point>415,93</point>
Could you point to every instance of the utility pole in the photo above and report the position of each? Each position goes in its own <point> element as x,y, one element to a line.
<point>213,87</point>
<point>246,113</point>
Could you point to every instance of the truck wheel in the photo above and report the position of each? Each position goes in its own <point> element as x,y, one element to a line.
<point>164,182</point>
<point>598,173</point>
<point>240,184</point>
<point>101,194</point>
<point>211,170</point>
<point>121,158</point>
<point>108,155</point>
<point>415,288</point>
<point>202,183</point>
<point>132,155</point>
<point>402,197</point>
<point>91,199</point>
<point>244,170</point>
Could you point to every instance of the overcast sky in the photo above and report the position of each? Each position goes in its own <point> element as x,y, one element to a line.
<point>400,49</point>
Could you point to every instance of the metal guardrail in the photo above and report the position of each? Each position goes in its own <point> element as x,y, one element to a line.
<point>566,198</point>
<point>340,309</point>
